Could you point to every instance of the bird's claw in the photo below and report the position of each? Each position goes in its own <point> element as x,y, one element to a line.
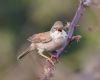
<point>50,61</point>
<point>53,59</point>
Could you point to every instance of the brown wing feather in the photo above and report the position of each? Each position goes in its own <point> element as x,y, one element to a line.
<point>40,37</point>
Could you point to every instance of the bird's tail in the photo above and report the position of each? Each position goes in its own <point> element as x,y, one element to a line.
<point>23,54</point>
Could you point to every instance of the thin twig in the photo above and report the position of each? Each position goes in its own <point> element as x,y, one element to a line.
<point>72,25</point>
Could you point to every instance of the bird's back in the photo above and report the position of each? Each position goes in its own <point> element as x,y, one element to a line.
<point>40,37</point>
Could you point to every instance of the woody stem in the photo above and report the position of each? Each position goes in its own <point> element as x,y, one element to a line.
<point>72,25</point>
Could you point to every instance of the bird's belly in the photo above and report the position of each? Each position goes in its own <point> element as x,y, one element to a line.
<point>59,43</point>
<point>54,45</point>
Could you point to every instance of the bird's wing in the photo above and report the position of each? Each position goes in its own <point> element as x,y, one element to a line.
<point>40,37</point>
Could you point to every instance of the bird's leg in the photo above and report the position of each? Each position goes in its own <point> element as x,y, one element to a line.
<point>40,51</point>
<point>77,38</point>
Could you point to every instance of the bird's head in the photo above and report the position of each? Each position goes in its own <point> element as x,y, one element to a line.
<point>57,30</point>
<point>58,26</point>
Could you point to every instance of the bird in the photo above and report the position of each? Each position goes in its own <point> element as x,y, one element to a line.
<point>49,41</point>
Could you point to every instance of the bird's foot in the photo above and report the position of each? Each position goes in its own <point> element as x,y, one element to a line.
<point>53,59</point>
<point>50,61</point>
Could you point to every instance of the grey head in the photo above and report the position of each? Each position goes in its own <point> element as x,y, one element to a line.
<point>58,25</point>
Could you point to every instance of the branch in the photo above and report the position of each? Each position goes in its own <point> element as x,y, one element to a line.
<point>48,69</point>
<point>83,4</point>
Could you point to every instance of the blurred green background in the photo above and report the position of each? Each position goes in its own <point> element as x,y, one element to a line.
<point>19,19</point>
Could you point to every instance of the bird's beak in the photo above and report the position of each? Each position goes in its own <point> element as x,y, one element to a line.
<point>60,29</point>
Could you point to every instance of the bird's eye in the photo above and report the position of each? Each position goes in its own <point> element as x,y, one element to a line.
<point>55,28</point>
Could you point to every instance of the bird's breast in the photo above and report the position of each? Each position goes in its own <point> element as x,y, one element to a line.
<point>56,35</point>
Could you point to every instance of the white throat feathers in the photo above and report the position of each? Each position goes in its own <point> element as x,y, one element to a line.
<point>57,34</point>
